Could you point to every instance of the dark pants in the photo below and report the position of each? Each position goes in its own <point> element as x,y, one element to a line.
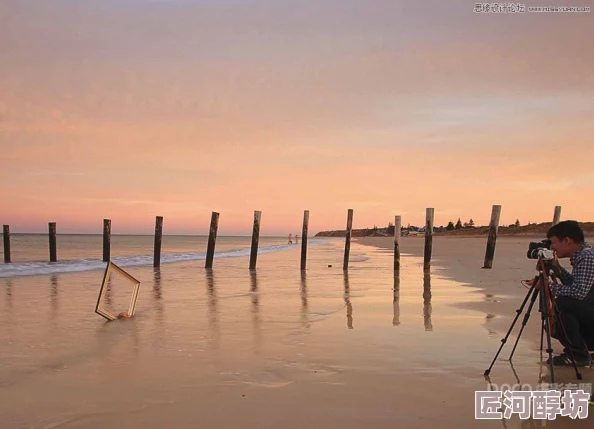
<point>577,317</point>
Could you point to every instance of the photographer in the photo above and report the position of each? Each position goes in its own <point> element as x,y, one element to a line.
<point>575,296</point>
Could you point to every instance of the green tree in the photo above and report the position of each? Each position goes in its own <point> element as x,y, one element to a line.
<point>517,222</point>
<point>450,226</point>
<point>470,222</point>
<point>458,224</point>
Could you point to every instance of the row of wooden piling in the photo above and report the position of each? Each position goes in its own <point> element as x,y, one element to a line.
<point>214,223</point>
<point>210,250</point>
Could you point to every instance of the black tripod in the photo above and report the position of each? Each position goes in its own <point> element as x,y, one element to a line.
<point>547,309</point>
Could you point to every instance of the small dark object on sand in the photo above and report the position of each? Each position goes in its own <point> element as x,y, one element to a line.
<point>329,266</point>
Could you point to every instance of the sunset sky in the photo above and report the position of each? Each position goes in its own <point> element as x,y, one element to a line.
<point>128,109</point>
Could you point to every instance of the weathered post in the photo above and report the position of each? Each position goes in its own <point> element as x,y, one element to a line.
<point>158,241</point>
<point>255,239</point>
<point>304,239</point>
<point>557,215</point>
<point>347,242</point>
<point>212,238</point>
<point>493,225</point>
<point>397,233</point>
<point>6,236</point>
<point>428,238</point>
<point>53,248</point>
<point>106,240</point>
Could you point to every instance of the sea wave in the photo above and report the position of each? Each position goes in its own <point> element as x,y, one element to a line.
<point>78,265</point>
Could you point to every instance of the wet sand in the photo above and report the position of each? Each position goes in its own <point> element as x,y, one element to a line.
<point>462,258</point>
<point>229,348</point>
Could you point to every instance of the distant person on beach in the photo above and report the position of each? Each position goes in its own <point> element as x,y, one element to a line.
<point>290,239</point>
<point>575,296</point>
<point>296,239</point>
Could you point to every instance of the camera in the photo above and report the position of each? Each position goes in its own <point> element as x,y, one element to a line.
<point>540,249</point>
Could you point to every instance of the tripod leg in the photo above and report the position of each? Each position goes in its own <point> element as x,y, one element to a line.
<point>504,340</point>
<point>589,355</point>
<point>547,328</point>
<point>541,337</point>
<point>524,322</point>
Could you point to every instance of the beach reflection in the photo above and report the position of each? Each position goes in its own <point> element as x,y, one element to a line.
<point>157,295</point>
<point>9,295</point>
<point>54,296</point>
<point>157,284</point>
<point>347,300</point>
<point>304,306</point>
<point>256,322</point>
<point>396,302</point>
<point>213,314</point>
<point>427,301</point>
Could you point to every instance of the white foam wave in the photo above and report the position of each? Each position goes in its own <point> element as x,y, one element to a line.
<point>358,257</point>
<point>78,265</point>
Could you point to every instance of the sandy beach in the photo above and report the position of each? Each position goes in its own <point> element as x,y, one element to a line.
<point>499,292</point>
<point>462,259</point>
<point>275,348</point>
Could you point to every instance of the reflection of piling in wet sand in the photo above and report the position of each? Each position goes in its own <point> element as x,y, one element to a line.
<point>157,295</point>
<point>157,283</point>
<point>304,304</point>
<point>255,309</point>
<point>54,296</point>
<point>347,300</point>
<point>108,297</point>
<point>427,301</point>
<point>396,303</point>
<point>213,314</point>
<point>9,293</point>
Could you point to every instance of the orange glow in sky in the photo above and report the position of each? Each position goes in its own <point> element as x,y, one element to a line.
<point>130,109</point>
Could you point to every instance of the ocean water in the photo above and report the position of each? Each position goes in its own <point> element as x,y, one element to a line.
<point>30,252</point>
<point>228,347</point>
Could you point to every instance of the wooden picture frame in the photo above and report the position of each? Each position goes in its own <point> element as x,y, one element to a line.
<point>100,300</point>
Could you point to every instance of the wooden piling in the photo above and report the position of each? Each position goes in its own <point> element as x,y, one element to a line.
<point>347,242</point>
<point>397,234</point>
<point>255,239</point>
<point>212,238</point>
<point>493,225</point>
<point>304,239</point>
<point>158,241</point>
<point>428,238</point>
<point>6,236</point>
<point>106,240</point>
<point>53,247</point>
<point>557,215</point>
